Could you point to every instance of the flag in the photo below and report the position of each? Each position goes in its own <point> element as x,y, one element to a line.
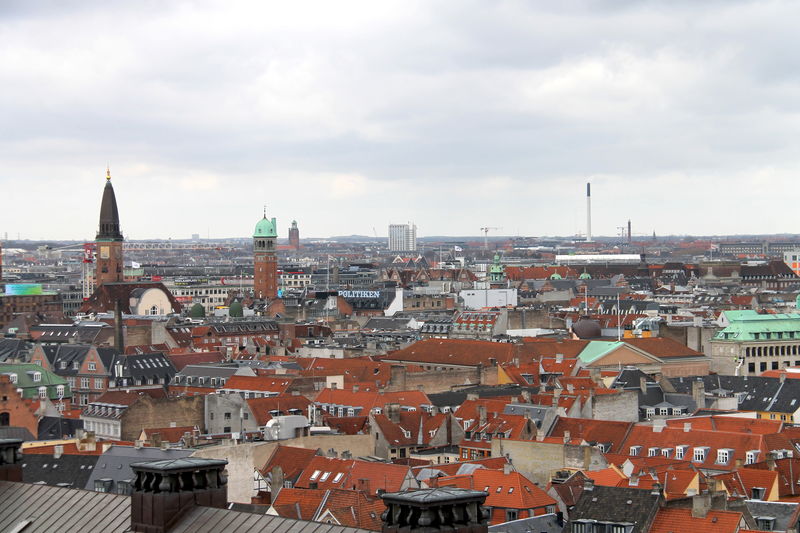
<point>458,249</point>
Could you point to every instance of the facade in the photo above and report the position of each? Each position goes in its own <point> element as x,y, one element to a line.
<point>751,343</point>
<point>109,239</point>
<point>265,260</point>
<point>402,237</point>
<point>294,236</point>
<point>792,260</point>
<point>46,303</point>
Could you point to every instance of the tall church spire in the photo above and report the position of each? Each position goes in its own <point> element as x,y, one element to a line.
<point>109,214</point>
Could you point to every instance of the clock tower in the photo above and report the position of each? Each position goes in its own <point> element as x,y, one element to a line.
<point>109,239</point>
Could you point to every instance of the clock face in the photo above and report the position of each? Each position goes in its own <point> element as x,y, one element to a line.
<point>104,252</point>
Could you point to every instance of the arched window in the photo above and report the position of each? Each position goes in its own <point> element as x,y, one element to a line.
<point>154,310</point>
<point>5,419</point>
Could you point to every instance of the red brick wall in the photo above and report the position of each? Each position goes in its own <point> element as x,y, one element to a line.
<point>12,404</point>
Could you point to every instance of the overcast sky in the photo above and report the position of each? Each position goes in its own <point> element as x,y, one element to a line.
<point>351,115</point>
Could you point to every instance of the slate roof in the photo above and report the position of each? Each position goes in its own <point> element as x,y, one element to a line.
<point>115,463</point>
<point>13,349</point>
<point>785,514</point>
<point>617,505</point>
<point>757,393</point>
<point>69,470</point>
<point>455,398</point>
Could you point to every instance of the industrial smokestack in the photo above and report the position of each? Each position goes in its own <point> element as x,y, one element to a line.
<point>119,339</point>
<point>629,231</point>
<point>588,212</point>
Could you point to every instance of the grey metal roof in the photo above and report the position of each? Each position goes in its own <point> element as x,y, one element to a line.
<point>65,510</point>
<point>785,514</point>
<point>546,523</point>
<point>60,509</point>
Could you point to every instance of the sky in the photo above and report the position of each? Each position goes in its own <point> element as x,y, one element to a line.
<point>350,115</point>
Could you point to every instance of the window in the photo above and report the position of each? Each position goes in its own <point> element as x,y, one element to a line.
<point>680,451</point>
<point>723,456</point>
<point>227,416</point>
<point>98,383</point>
<point>652,452</point>
<point>315,475</point>
<point>60,391</point>
<point>211,416</point>
<point>750,457</point>
<point>124,487</point>
<point>92,366</point>
<point>635,450</point>
<point>84,383</point>
<point>37,376</point>
<point>699,455</point>
<point>13,378</point>
<point>338,477</point>
<point>765,523</point>
<point>42,392</point>
<point>325,476</point>
<point>511,514</point>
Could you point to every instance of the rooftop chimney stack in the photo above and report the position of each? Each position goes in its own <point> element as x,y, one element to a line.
<point>588,212</point>
<point>164,491</point>
<point>440,509</point>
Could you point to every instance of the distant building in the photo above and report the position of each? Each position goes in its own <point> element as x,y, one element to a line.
<point>402,237</point>
<point>792,260</point>
<point>751,343</point>
<point>265,260</point>
<point>294,236</point>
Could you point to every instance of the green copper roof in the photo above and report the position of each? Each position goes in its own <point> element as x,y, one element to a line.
<point>265,228</point>
<point>597,349</point>
<point>25,379</point>
<point>555,275</point>
<point>748,325</point>
<point>585,275</point>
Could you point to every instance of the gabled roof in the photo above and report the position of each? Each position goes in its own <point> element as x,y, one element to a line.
<point>258,384</point>
<point>462,352</point>
<point>262,408</point>
<point>617,505</point>
<point>415,428</point>
<point>740,483</point>
<point>506,490</point>
<point>301,504</point>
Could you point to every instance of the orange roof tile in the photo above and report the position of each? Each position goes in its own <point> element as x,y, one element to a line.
<point>671,520</point>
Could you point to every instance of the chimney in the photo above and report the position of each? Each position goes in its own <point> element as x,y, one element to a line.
<point>526,396</point>
<point>783,376</point>
<point>11,460</point>
<point>355,388</point>
<point>164,491</point>
<point>438,509</point>
<point>393,412</point>
<point>588,212</point>
<point>119,342</point>
<point>699,393</point>
<point>656,490</point>
<point>58,451</point>
<point>701,504</point>
<point>482,418</point>
<point>633,480</point>
<point>588,485</point>
<point>472,396</point>
<point>643,384</point>
<point>276,482</point>
<point>567,436</point>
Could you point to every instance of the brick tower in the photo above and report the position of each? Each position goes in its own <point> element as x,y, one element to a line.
<point>109,238</point>
<point>265,259</point>
<point>294,236</point>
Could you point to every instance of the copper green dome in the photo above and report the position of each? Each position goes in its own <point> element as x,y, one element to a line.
<point>265,228</point>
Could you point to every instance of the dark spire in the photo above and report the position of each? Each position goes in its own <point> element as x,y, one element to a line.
<point>109,215</point>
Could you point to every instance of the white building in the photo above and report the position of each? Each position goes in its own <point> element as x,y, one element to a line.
<point>483,298</point>
<point>402,237</point>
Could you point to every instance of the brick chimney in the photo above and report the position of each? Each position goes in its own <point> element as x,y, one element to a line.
<point>392,411</point>
<point>163,491</point>
<point>439,509</point>
<point>10,460</point>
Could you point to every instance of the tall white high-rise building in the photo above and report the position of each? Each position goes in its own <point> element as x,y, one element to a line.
<point>402,237</point>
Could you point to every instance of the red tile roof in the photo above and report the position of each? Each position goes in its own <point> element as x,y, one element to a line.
<point>261,384</point>
<point>455,352</point>
<point>261,407</point>
<point>291,459</point>
<point>594,431</point>
<point>740,483</point>
<point>671,520</point>
<point>509,491</point>
<point>663,347</point>
<point>301,504</point>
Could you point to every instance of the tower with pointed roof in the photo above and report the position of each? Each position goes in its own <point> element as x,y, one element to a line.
<point>265,259</point>
<point>294,236</point>
<point>109,238</point>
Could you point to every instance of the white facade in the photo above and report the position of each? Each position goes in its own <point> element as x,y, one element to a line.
<point>402,237</point>
<point>482,298</point>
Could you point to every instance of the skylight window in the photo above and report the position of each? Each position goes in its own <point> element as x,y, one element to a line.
<point>325,476</point>
<point>338,477</point>
<point>315,475</point>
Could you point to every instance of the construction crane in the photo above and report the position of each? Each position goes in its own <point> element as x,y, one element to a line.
<point>486,236</point>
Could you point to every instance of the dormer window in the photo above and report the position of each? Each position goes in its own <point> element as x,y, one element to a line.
<point>634,451</point>
<point>652,452</point>
<point>37,376</point>
<point>680,451</point>
<point>723,456</point>
<point>750,457</point>
<point>42,392</point>
<point>666,452</point>
<point>699,454</point>
<point>92,367</point>
<point>75,365</point>
<point>12,377</point>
